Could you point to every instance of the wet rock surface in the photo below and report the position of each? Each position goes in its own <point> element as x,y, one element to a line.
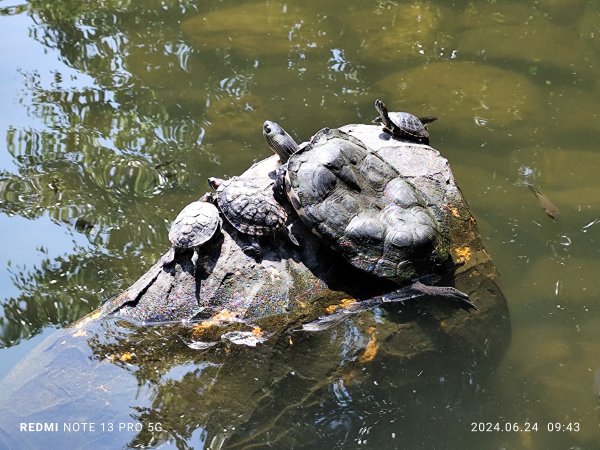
<point>251,288</point>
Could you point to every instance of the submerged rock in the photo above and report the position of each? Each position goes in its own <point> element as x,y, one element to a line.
<point>559,168</point>
<point>393,32</point>
<point>545,44</point>
<point>589,27</point>
<point>467,93</point>
<point>235,29</point>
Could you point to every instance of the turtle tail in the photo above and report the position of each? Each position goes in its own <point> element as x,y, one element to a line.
<point>427,119</point>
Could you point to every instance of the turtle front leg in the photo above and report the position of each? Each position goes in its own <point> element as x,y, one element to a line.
<point>253,249</point>
<point>169,257</point>
<point>290,235</point>
<point>195,256</point>
<point>279,184</point>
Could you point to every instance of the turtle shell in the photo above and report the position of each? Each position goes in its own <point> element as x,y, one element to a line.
<point>248,204</point>
<point>362,207</point>
<point>195,225</point>
<point>409,125</point>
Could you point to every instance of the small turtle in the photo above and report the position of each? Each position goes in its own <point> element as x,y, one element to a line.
<point>249,205</point>
<point>194,226</point>
<point>403,125</point>
<point>366,211</point>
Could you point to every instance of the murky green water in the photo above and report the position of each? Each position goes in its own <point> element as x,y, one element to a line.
<point>114,113</point>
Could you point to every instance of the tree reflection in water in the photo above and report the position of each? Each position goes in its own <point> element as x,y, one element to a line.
<point>113,161</point>
<point>167,106</point>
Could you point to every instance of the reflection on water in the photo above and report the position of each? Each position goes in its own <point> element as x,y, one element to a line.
<point>179,91</point>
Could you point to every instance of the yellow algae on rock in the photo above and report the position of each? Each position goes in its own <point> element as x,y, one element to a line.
<point>126,357</point>
<point>343,304</point>
<point>257,331</point>
<point>462,254</point>
<point>204,328</point>
<point>371,349</point>
<point>225,316</point>
<point>453,211</point>
<point>199,329</point>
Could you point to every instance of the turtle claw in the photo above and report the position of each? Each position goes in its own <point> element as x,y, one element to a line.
<point>169,257</point>
<point>291,237</point>
<point>446,292</point>
<point>195,257</point>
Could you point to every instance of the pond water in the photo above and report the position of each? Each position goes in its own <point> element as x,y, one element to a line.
<point>114,113</point>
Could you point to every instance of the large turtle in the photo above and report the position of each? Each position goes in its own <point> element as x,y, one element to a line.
<point>194,226</point>
<point>403,125</point>
<point>361,206</point>
<point>249,205</point>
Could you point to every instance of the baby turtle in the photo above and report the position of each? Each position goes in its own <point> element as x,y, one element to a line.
<point>249,205</point>
<point>193,227</point>
<point>403,125</point>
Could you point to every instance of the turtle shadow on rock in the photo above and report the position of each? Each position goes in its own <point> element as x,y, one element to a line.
<point>385,136</point>
<point>169,290</point>
<point>199,270</point>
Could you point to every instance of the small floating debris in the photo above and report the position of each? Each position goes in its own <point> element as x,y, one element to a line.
<point>480,121</point>
<point>589,225</point>
<point>248,338</point>
<point>200,345</point>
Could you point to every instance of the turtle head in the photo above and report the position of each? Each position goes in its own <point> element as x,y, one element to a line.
<point>270,128</point>
<point>381,108</point>
<point>279,140</point>
<point>208,197</point>
<point>214,182</point>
